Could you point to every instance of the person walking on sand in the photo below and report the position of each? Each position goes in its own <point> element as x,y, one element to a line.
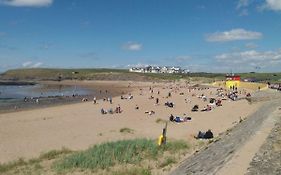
<point>157,101</point>
<point>95,100</point>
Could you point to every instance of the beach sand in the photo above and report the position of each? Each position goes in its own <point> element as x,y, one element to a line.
<point>29,133</point>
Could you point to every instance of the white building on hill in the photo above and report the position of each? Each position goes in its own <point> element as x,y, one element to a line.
<point>158,69</point>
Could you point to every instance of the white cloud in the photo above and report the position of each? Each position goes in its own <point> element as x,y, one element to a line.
<point>132,46</point>
<point>251,57</point>
<point>35,65</point>
<point>30,64</point>
<point>272,5</point>
<point>27,3</point>
<point>26,64</point>
<point>233,35</point>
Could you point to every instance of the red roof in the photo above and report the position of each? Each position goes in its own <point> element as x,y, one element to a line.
<point>233,77</point>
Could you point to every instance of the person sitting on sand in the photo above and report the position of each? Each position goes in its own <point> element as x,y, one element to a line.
<point>149,112</point>
<point>95,100</point>
<point>151,97</point>
<point>212,100</point>
<point>218,103</point>
<point>169,104</point>
<point>200,135</point>
<point>137,107</point>
<point>110,111</point>
<point>204,109</point>
<point>118,109</point>
<point>171,118</point>
<point>209,134</point>
<point>180,119</point>
<point>103,111</point>
<point>205,135</point>
<point>130,97</point>
<point>195,108</point>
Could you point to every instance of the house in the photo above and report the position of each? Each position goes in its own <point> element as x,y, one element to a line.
<point>157,69</point>
<point>232,80</point>
<point>137,69</point>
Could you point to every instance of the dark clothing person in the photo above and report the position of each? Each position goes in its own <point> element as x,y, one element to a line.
<point>171,118</point>
<point>208,135</point>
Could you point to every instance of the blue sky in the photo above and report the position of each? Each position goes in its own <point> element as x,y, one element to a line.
<point>199,35</point>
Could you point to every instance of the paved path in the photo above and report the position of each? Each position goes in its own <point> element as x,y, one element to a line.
<point>268,159</point>
<point>211,159</point>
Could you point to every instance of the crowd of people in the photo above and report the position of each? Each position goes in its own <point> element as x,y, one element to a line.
<point>208,97</point>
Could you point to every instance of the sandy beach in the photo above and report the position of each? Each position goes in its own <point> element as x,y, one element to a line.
<point>29,133</point>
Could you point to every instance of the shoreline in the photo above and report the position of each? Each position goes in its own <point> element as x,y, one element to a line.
<point>44,102</point>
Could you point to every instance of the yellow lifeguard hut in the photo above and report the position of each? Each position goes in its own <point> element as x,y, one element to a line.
<point>232,81</point>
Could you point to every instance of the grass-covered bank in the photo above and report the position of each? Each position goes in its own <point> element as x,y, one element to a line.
<point>115,154</point>
<point>137,156</point>
<point>33,74</point>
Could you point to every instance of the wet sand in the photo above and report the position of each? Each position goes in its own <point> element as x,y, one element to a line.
<point>95,89</point>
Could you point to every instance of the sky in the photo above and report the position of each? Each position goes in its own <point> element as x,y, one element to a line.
<point>198,35</point>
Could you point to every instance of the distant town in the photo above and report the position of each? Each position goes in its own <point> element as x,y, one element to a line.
<point>158,69</point>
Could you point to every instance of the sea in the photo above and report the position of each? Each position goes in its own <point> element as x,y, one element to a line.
<point>13,96</point>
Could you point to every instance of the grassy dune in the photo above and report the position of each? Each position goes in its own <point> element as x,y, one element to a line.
<point>137,156</point>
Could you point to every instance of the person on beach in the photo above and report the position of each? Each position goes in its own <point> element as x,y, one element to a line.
<point>118,109</point>
<point>103,111</point>
<point>169,94</point>
<point>157,101</point>
<point>195,108</point>
<point>205,135</point>
<point>95,100</point>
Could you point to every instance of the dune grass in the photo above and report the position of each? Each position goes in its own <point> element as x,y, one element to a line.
<point>103,157</point>
<point>117,153</point>
<point>11,165</point>
<point>167,161</point>
<point>53,154</point>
